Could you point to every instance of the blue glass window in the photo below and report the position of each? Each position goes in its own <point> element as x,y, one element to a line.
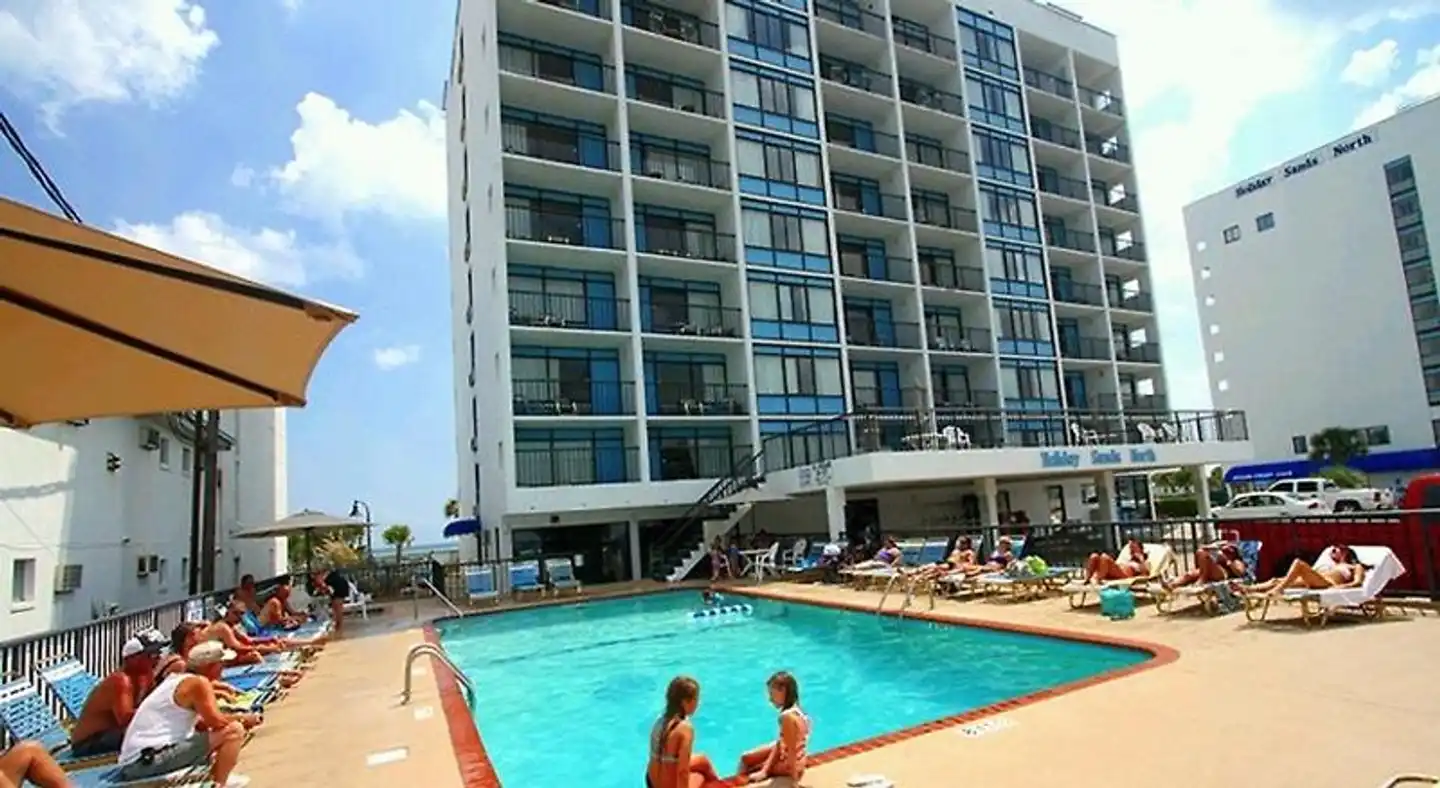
<point>669,90</point>
<point>674,377</point>
<point>771,35</point>
<point>869,321</point>
<point>1023,328</point>
<point>575,299</point>
<point>693,452</point>
<point>666,303</point>
<point>586,380</point>
<point>1015,270</point>
<point>559,217</point>
<point>556,138</point>
<point>774,99</point>
<point>560,64</point>
<point>862,257</point>
<point>546,458</point>
<point>875,384</point>
<point>1029,385</point>
<point>796,308</point>
<point>671,231</point>
<point>1009,214</point>
<point>798,380</point>
<point>988,45</point>
<point>1001,157</point>
<point>779,167</point>
<point>995,103</point>
<point>784,236</point>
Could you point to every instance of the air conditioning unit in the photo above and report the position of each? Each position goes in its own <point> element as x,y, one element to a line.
<point>149,438</point>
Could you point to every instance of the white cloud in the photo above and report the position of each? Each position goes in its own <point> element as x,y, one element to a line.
<point>69,52</point>
<point>341,164</point>
<point>1369,67</point>
<point>274,257</point>
<point>388,358</point>
<point>242,176</point>
<point>1422,83</point>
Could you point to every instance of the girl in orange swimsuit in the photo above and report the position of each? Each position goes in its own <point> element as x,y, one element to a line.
<point>784,757</point>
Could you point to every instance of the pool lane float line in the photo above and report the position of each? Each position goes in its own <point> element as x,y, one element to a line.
<point>722,610</point>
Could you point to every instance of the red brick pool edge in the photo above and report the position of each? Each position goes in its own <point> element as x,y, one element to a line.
<point>476,770</point>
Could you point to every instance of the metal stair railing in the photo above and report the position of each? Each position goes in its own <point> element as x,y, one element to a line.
<point>742,473</point>
<point>440,656</point>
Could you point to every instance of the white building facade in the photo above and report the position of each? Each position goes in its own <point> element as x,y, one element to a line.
<point>96,517</point>
<point>1316,292</point>
<point>682,231</point>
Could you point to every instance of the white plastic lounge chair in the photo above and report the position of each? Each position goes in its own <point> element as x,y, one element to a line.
<point>480,584</point>
<point>525,578</point>
<point>562,575</point>
<point>358,600</point>
<point>1210,595</point>
<point>1161,561</point>
<point>909,556</point>
<point>765,563</point>
<point>795,553</point>
<point>1318,605</point>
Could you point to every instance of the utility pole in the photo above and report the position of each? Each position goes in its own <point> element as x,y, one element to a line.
<point>212,499</point>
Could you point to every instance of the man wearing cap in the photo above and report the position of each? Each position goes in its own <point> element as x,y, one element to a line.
<point>163,736</point>
<point>112,703</point>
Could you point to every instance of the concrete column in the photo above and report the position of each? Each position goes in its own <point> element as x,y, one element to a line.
<point>1202,492</point>
<point>989,502</point>
<point>835,512</point>
<point>637,572</point>
<point>1105,497</point>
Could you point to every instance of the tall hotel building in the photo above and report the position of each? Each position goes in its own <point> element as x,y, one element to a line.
<point>679,229</point>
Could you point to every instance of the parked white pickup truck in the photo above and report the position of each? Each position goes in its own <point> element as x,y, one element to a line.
<point>1338,498</point>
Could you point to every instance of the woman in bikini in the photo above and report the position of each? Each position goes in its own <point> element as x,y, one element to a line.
<point>1101,568</point>
<point>784,757</point>
<point>673,762</point>
<point>961,559</point>
<point>1345,571</point>
<point>887,556</point>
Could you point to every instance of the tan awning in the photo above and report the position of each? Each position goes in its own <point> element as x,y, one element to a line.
<point>92,325</point>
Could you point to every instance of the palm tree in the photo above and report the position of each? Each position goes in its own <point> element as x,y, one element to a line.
<point>452,509</point>
<point>399,536</point>
<point>1336,446</point>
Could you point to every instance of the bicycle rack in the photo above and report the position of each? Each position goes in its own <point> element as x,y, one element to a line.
<point>434,651</point>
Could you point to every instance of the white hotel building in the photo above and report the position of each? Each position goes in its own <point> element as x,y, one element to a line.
<point>95,516</point>
<point>681,231</point>
<point>1317,299</point>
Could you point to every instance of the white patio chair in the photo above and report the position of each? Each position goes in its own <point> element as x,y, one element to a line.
<point>358,600</point>
<point>1147,433</point>
<point>792,556</point>
<point>765,562</point>
<point>955,438</point>
<point>1082,436</point>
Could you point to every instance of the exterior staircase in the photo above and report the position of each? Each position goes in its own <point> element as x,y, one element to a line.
<point>692,559</point>
<point>681,548</point>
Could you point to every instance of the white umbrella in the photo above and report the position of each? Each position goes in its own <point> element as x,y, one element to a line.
<point>305,522</point>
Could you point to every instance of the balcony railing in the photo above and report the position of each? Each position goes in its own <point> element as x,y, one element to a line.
<point>600,9</point>
<point>946,399</point>
<point>1050,83</point>
<point>849,14</point>
<point>692,320</point>
<point>947,217</point>
<point>689,242</point>
<point>875,268</point>
<point>1070,239</point>
<point>1084,348</point>
<point>675,463</point>
<point>674,95</point>
<point>1070,291</point>
<point>1108,149</point>
<point>1130,203</point>
<point>1062,186</point>
<point>1148,353</point>
<point>669,23</point>
<point>868,202</point>
<point>880,333</point>
<point>854,75</point>
<point>566,467</point>
<point>1049,131</point>
<point>1104,102</point>
<point>564,310</point>
<point>950,339</point>
<point>1125,250</point>
<point>932,155</point>
<point>551,143</point>
<point>667,165</point>
<point>572,397</point>
<point>861,139</point>
<point>1134,302</point>
<point>952,276</point>
<point>697,399</point>
<point>922,41</point>
<point>881,398</point>
<point>571,228</point>
<point>931,98</point>
<point>560,69</point>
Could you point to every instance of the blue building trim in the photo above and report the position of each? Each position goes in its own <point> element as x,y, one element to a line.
<point>1407,461</point>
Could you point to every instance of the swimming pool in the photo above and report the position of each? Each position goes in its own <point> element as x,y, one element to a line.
<point>566,695</point>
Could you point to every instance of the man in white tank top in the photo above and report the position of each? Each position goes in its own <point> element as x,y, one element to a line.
<point>162,737</point>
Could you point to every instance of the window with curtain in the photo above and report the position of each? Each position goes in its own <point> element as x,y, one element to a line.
<point>778,160</point>
<point>779,32</point>
<point>787,302</point>
<point>1002,158</point>
<point>995,103</point>
<point>1014,264</point>
<point>1027,382</point>
<point>794,373</point>
<point>773,92</point>
<point>786,231</point>
<point>1015,321</point>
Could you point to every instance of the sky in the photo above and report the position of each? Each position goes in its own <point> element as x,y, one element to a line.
<point>300,143</point>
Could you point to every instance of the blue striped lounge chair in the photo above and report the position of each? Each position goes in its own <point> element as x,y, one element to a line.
<point>810,559</point>
<point>480,584</point>
<point>71,682</point>
<point>524,578</point>
<point>561,572</point>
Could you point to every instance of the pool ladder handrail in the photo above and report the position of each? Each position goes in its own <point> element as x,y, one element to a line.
<point>418,580</point>
<point>440,656</point>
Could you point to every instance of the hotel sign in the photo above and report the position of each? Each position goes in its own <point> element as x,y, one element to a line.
<point>1100,458</point>
<point>1306,163</point>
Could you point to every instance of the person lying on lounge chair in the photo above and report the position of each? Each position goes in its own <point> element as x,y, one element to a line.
<point>112,703</point>
<point>961,559</point>
<point>276,613</point>
<point>1101,568</point>
<point>1346,571</point>
<point>1213,564</point>
<point>246,650</point>
<point>1003,556</point>
<point>29,762</point>
<point>887,556</point>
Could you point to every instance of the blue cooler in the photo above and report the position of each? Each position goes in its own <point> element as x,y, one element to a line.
<point>1117,603</point>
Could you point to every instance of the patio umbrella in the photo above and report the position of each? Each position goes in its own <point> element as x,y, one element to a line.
<point>303,523</point>
<point>92,325</point>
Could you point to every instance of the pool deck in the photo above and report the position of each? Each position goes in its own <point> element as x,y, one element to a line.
<point>1340,707</point>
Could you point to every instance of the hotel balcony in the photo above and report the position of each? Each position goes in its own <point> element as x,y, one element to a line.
<point>951,276</point>
<point>670,23</point>
<point>697,399</point>
<point>691,320</point>
<point>565,311</point>
<point>866,332</point>
<point>567,467</point>
<point>1078,348</point>
<point>686,242</point>
<point>1049,83</point>
<point>1146,353</point>
<point>1066,290</point>
<point>676,463</point>
<point>558,225</point>
<point>872,398</point>
<point>572,397</point>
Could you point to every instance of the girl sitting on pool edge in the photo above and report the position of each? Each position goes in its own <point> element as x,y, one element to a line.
<point>784,757</point>
<point>673,762</point>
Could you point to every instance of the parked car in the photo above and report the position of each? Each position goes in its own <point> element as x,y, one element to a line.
<point>1335,497</point>
<point>1266,505</point>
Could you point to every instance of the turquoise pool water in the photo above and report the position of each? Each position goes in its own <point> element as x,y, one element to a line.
<point>566,695</point>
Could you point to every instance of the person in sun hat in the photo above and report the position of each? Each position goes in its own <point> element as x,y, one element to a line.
<point>112,703</point>
<point>163,737</point>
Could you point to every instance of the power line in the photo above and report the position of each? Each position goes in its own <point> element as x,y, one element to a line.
<point>37,170</point>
